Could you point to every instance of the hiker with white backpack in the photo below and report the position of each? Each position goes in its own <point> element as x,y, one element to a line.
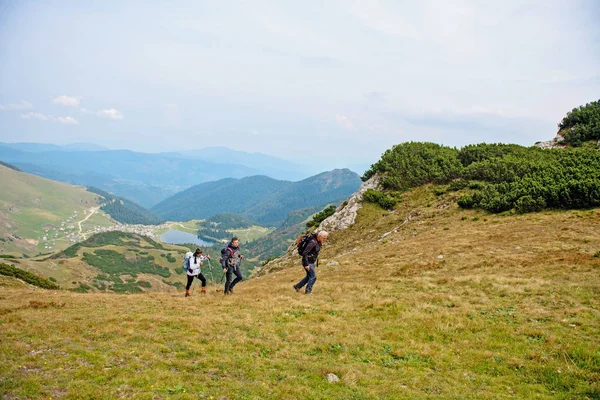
<point>193,262</point>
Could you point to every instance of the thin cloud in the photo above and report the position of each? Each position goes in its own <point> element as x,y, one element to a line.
<point>68,101</point>
<point>34,115</point>
<point>67,120</point>
<point>22,105</point>
<point>111,114</point>
<point>344,121</point>
<point>42,117</point>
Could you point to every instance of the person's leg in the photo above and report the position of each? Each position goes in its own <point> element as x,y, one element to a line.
<point>190,279</point>
<point>312,278</point>
<point>238,277</point>
<point>203,280</point>
<point>228,275</point>
<point>303,282</point>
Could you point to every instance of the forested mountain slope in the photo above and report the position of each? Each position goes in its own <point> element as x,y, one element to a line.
<point>259,198</point>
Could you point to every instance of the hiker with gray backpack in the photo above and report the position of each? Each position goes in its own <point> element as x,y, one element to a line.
<point>231,259</point>
<point>192,263</point>
<point>309,247</point>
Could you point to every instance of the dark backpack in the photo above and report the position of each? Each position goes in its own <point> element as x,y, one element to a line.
<point>303,241</point>
<point>224,251</point>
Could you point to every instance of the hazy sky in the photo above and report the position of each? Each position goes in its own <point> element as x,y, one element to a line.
<point>330,82</point>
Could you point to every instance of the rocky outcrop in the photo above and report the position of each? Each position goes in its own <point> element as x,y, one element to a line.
<point>556,143</point>
<point>343,218</point>
<point>345,214</point>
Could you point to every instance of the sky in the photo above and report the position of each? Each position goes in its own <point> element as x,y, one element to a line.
<point>331,83</point>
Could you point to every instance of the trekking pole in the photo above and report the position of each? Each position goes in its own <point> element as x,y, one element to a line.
<point>210,270</point>
<point>223,277</point>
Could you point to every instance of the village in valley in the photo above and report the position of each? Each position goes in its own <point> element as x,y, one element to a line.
<point>76,228</point>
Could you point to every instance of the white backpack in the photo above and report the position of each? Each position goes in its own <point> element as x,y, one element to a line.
<point>186,261</point>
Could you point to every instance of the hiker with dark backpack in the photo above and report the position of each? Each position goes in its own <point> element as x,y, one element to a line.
<point>309,247</point>
<point>192,265</point>
<point>231,259</point>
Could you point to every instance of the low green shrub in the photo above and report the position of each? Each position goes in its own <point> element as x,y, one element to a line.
<point>582,124</point>
<point>457,185</point>
<point>466,201</point>
<point>383,199</point>
<point>503,177</point>
<point>321,216</point>
<point>528,204</point>
<point>28,277</point>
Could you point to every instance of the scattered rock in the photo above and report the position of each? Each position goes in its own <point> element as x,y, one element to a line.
<point>440,257</point>
<point>411,215</point>
<point>518,248</point>
<point>332,262</point>
<point>332,378</point>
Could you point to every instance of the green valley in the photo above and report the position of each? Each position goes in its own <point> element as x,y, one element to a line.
<point>38,215</point>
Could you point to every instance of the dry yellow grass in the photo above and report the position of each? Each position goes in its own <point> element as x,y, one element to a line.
<point>510,310</point>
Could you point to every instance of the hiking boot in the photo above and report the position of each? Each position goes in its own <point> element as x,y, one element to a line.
<point>296,288</point>
<point>204,290</point>
<point>230,291</point>
<point>307,292</point>
<point>226,293</point>
<point>187,293</point>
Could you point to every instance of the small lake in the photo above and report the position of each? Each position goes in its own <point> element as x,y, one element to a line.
<point>179,237</point>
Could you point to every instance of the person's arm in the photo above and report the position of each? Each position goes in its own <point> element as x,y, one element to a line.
<point>307,251</point>
<point>224,258</point>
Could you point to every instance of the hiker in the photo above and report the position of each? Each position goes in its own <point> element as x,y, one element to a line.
<point>310,254</point>
<point>231,258</point>
<point>193,270</point>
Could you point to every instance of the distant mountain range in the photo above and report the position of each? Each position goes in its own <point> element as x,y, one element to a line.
<point>42,147</point>
<point>145,178</point>
<point>259,198</point>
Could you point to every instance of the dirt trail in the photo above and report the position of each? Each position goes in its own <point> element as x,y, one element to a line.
<point>92,211</point>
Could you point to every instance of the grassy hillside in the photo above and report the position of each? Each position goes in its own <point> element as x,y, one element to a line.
<point>7,165</point>
<point>34,208</point>
<point>427,301</point>
<point>115,262</point>
<point>259,198</point>
<point>26,277</point>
